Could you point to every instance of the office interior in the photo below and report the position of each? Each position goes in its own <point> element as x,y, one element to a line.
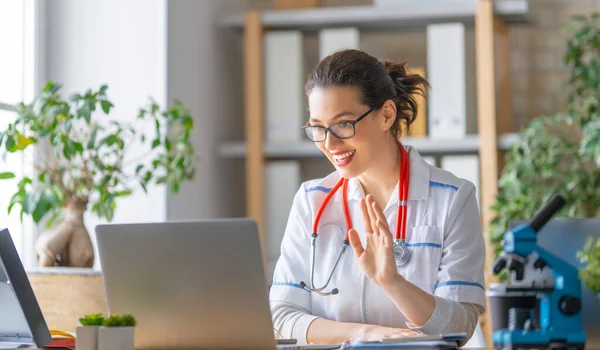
<point>239,68</point>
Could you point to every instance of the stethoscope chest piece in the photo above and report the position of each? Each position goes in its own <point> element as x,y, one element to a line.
<point>401,254</point>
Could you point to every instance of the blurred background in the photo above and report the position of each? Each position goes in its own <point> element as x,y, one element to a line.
<point>239,67</point>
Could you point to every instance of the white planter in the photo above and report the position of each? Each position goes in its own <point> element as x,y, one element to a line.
<point>116,338</point>
<point>86,337</point>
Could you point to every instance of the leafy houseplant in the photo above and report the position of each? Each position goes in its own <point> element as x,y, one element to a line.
<point>558,153</point>
<point>590,274</point>
<point>92,320</point>
<point>100,332</point>
<point>117,333</point>
<point>84,161</point>
<point>87,334</point>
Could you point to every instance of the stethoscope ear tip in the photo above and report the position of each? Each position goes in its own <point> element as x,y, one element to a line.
<point>335,291</point>
<point>302,284</point>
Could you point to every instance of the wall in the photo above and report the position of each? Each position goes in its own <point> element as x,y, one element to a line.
<point>205,72</point>
<point>121,44</point>
<point>538,73</point>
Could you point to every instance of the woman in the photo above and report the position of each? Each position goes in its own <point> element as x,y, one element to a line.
<point>358,107</point>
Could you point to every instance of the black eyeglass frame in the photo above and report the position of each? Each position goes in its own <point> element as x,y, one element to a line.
<point>328,129</point>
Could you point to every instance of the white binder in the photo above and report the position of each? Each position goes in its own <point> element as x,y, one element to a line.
<point>282,179</point>
<point>284,85</point>
<point>446,74</point>
<point>464,166</point>
<point>336,39</point>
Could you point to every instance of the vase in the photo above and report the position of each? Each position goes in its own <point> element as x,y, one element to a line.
<point>116,338</point>
<point>86,337</point>
<point>68,243</point>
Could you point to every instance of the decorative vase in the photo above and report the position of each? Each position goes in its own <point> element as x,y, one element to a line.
<point>69,242</point>
<point>116,338</point>
<point>87,337</point>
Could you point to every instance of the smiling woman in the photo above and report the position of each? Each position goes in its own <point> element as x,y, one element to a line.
<point>414,229</point>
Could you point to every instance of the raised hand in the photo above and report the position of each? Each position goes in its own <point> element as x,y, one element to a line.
<point>377,258</point>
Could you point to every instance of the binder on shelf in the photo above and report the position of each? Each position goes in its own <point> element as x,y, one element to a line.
<point>464,166</point>
<point>283,180</point>
<point>284,93</point>
<point>446,74</point>
<point>336,39</point>
<point>419,127</point>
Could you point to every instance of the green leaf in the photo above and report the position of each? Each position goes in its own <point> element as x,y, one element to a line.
<point>123,193</point>
<point>11,145</point>
<point>92,320</point>
<point>103,89</point>
<point>16,198</point>
<point>188,123</point>
<point>6,175</point>
<point>155,143</point>
<point>30,202</point>
<point>106,105</point>
<point>92,141</point>
<point>41,209</point>
<point>139,168</point>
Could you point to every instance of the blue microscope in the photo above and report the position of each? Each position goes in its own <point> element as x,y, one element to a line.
<point>560,319</point>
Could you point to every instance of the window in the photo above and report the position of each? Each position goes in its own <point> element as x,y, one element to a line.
<point>17,70</point>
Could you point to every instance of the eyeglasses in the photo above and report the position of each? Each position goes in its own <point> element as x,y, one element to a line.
<point>342,130</point>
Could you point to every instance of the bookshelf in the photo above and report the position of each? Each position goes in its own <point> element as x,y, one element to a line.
<point>306,149</point>
<point>490,19</point>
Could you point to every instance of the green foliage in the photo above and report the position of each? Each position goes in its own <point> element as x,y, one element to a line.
<point>119,321</point>
<point>85,158</point>
<point>590,255</point>
<point>92,320</point>
<point>558,154</point>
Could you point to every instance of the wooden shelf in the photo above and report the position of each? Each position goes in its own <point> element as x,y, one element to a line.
<point>417,14</point>
<point>425,146</point>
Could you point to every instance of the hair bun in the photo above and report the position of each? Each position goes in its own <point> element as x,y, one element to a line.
<point>397,71</point>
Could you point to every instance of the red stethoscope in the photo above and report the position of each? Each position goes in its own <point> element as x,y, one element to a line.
<point>401,252</point>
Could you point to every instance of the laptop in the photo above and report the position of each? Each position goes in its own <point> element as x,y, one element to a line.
<point>22,324</point>
<point>190,284</point>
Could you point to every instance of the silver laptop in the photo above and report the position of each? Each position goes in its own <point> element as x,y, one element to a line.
<point>198,284</point>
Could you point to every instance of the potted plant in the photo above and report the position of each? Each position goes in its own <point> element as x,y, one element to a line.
<point>117,333</point>
<point>84,163</point>
<point>87,333</point>
<point>590,273</point>
<point>557,153</point>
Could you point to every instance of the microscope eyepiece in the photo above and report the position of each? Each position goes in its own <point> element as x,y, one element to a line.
<point>499,265</point>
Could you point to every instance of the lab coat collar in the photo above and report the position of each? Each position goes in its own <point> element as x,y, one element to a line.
<point>418,187</point>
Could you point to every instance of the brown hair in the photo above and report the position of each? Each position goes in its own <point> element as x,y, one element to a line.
<point>378,80</point>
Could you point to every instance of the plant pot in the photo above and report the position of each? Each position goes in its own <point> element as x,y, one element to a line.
<point>116,338</point>
<point>66,293</point>
<point>296,4</point>
<point>503,298</point>
<point>87,337</point>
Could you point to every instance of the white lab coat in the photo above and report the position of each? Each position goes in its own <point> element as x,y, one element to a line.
<point>443,233</point>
